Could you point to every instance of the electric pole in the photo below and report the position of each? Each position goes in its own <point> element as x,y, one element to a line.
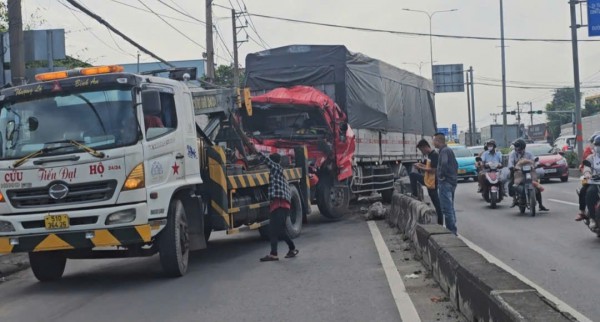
<point>473,98</point>
<point>210,52</point>
<point>17,47</point>
<point>574,27</point>
<point>236,70</point>
<point>469,112</point>
<point>504,121</point>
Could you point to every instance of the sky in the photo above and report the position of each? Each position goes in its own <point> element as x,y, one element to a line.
<point>528,64</point>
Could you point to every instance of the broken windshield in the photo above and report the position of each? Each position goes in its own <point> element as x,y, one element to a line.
<point>100,119</point>
<point>286,122</point>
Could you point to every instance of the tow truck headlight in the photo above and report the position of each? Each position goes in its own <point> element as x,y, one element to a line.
<point>6,226</point>
<point>121,217</point>
<point>135,179</point>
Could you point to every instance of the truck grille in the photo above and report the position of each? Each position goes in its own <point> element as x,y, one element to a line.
<point>78,193</point>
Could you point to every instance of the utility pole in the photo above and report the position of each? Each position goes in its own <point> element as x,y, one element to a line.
<point>236,70</point>
<point>473,97</point>
<point>210,51</point>
<point>17,47</point>
<point>530,112</point>
<point>504,121</point>
<point>519,115</point>
<point>574,27</point>
<point>469,112</point>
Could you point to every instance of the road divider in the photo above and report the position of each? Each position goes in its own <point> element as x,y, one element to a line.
<point>480,290</point>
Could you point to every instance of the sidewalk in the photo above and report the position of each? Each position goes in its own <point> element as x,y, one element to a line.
<point>12,263</point>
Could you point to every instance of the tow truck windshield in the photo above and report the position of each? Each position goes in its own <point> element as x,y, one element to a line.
<point>98,119</point>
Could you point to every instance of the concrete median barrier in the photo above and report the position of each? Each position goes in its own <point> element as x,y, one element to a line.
<point>478,289</point>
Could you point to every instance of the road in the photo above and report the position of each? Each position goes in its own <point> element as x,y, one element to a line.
<point>337,277</point>
<point>551,249</point>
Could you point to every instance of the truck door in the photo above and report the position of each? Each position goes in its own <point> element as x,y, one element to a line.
<point>164,151</point>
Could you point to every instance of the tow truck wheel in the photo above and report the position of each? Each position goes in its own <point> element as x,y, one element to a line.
<point>47,266</point>
<point>293,223</point>
<point>173,243</point>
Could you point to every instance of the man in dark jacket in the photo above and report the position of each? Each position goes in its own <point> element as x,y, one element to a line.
<point>280,197</point>
<point>447,175</point>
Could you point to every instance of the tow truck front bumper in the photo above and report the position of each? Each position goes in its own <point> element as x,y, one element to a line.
<point>69,240</point>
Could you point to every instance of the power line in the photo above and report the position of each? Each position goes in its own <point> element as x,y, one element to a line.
<point>181,12</point>
<point>406,33</point>
<point>222,41</point>
<point>144,10</point>
<point>119,50</point>
<point>253,26</point>
<point>105,23</point>
<point>172,27</point>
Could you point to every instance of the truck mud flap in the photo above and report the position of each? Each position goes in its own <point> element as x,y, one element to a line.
<point>77,240</point>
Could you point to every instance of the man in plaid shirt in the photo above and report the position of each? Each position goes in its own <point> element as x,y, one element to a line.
<point>280,197</point>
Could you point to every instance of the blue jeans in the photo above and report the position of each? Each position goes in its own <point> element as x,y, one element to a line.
<point>446,193</point>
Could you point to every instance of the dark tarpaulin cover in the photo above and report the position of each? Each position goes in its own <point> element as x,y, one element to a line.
<point>375,95</point>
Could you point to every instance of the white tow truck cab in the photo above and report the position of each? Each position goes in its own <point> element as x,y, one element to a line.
<point>97,163</point>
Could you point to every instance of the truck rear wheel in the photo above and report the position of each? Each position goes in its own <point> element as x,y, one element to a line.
<point>332,201</point>
<point>293,224</point>
<point>47,266</point>
<point>173,243</point>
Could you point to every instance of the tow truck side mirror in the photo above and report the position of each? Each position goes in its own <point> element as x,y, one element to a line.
<point>10,130</point>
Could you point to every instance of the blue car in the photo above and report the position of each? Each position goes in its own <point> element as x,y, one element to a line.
<point>466,163</point>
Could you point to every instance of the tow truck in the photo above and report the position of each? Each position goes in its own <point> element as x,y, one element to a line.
<point>99,163</point>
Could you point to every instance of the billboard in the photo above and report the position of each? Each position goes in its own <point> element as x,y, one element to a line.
<point>593,11</point>
<point>448,78</point>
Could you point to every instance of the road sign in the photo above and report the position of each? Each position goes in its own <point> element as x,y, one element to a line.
<point>454,130</point>
<point>448,78</point>
<point>443,130</point>
<point>593,17</point>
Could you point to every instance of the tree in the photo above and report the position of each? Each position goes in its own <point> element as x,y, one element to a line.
<point>564,100</point>
<point>224,76</point>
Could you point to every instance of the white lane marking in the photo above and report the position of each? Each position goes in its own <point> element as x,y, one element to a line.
<point>405,306</point>
<point>560,304</point>
<point>564,202</point>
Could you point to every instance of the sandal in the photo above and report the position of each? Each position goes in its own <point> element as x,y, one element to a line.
<point>580,217</point>
<point>269,258</point>
<point>292,253</point>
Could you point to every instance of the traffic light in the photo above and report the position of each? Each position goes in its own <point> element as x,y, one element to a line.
<point>535,112</point>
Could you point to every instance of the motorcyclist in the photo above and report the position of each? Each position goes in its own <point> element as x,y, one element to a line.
<point>479,166</point>
<point>517,154</point>
<point>589,150</point>
<point>591,194</point>
<point>490,155</point>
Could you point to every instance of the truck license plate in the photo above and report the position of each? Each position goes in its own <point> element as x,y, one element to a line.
<point>462,171</point>
<point>56,221</point>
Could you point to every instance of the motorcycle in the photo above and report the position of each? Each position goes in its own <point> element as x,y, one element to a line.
<point>594,180</point>
<point>493,189</point>
<point>525,189</point>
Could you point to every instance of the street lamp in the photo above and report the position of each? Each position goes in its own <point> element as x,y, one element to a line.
<point>419,65</point>
<point>430,16</point>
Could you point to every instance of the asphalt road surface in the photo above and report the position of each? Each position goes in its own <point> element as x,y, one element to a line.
<point>336,277</point>
<point>552,250</point>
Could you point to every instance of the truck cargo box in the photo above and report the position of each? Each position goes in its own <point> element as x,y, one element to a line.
<point>375,95</point>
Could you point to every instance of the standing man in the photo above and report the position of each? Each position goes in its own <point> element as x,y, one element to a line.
<point>280,197</point>
<point>447,173</point>
<point>427,179</point>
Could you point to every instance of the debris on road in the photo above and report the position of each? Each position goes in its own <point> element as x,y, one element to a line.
<point>411,276</point>
<point>376,212</point>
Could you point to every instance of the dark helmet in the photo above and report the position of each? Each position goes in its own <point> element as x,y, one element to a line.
<point>492,141</point>
<point>597,140</point>
<point>592,138</point>
<point>520,144</point>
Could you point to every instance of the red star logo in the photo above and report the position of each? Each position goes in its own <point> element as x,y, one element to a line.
<point>175,168</point>
<point>56,87</point>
